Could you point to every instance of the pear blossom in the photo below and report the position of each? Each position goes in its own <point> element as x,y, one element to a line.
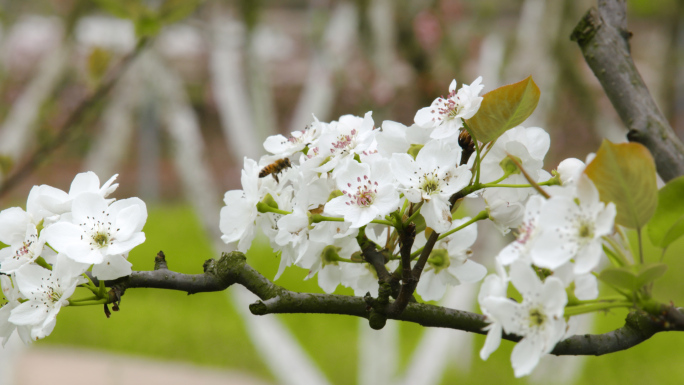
<point>13,297</point>
<point>343,139</point>
<point>238,216</point>
<point>573,228</point>
<point>369,193</point>
<point>18,230</point>
<point>496,286</point>
<point>521,247</point>
<point>45,292</point>
<point>448,263</point>
<point>54,201</point>
<point>433,177</point>
<point>446,114</point>
<point>96,230</point>
<point>284,147</point>
<point>538,318</point>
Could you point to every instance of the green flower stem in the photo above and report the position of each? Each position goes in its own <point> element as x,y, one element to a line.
<point>102,293</point>
<point>477,152</point>
<point>89,303</point>
<point>550,182</point>
<point>617,252</point>
<point>404,207</point>
<point>592,307</point>
<point>415,213</point>
<point>90,285</point>
<point>316,218</point>
<point>264,208</point>
<point>382,222</point>
<point>612,298</point>
<point>534,183</point>
<point>42,262</point>
<point>506,175</point>
<point>92,298</point>
<point>480,216</point>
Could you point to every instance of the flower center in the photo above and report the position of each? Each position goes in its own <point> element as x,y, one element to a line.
<point>365,192</point>
<point>54,293</point>
<point>537,318</point>
<point>430,184</point>
<point>586,230</point>
<point>101,239</point>
<point>344,141</point>
<point>439,260</point>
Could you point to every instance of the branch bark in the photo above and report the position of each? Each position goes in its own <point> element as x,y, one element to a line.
<point>232,268</point>
<point>604,39</point>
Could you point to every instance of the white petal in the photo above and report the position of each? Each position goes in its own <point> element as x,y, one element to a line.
<point>524,278</point>
<point>118,247</point>
<point>113,267</point>
<point>492,342</point>
<point>87,207</point>
<point>28,313</point>
<point>329,277</point>
<point>430,288</point>
<point>13,223</point>
<point>586,287</point>
<point>62,235</point>
<point>525,356</point>
<point>84,182</point>
<point>469,272</point>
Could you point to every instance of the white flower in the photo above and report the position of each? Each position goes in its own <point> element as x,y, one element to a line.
<point>369,192</point>
<point>446,114</point>
<point>494,285</point>
<point>18,230</point>
<point>97,230</point>
<point>433,177</point>
<point>46,292</point>
<point>55,201</point>
<point>573,230</point>
<point>298,140</point>
<point>391,138</point>
<point>344,138</point>
<point>527,234</point>
<point>449,264</point>
<point>12,295</point>
<point>538,319</point>
<point>238,216</point>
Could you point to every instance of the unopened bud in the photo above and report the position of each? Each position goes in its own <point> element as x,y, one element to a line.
<point>467,145</point>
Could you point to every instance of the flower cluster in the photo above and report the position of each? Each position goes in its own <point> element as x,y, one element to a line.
<point>323,191</point>
<point>52,244</point>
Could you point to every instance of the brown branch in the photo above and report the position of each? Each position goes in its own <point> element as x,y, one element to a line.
<point>63,132</point>
<point>232,268</point>
<point>604,39</point>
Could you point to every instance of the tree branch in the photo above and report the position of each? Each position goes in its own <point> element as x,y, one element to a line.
<point>232,268</point>
<point>604,39</point>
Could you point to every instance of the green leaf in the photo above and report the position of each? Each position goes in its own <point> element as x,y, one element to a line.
<point>625,174</point>
<point>503,109</point>
<point>651,272</point>
<point>620,277</point>
<point>667,224</point>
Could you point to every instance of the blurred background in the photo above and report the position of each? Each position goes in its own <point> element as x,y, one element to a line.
<point>208,82</point>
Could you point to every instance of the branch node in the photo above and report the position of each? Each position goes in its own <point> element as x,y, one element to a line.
<point>160,261</point>
<point>258,308</point>
<point>377,320</point>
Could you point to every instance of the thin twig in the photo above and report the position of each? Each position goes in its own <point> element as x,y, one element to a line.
<point>63,132</point>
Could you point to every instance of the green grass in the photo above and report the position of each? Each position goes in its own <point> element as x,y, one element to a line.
<point>205,328</point>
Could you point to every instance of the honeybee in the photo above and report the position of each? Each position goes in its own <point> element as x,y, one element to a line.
<point>275,168</point>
